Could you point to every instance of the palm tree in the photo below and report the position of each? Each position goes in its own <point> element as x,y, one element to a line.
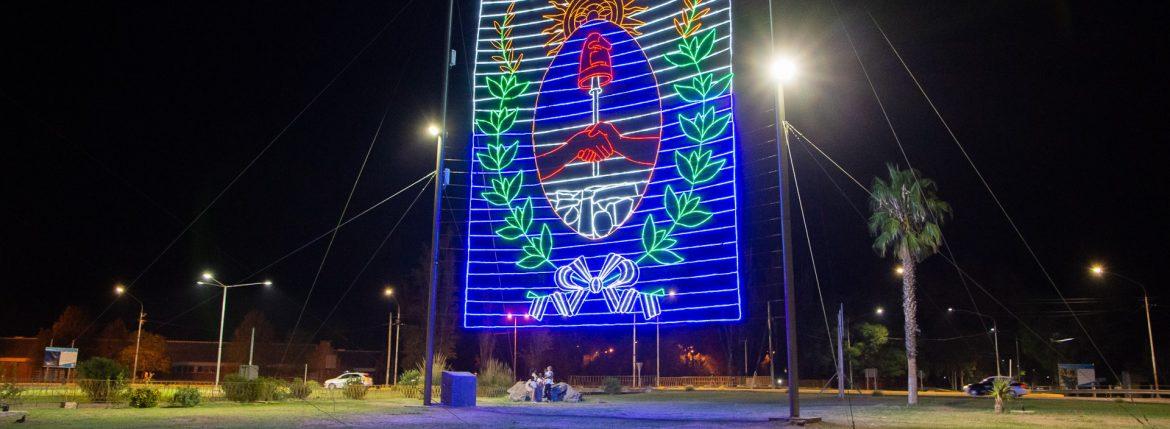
<point>905,222</point>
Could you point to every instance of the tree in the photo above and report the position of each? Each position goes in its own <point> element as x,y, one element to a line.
<point>70,325</point>
<point>112,339</point>
<point>871,349</point>
<point>536,345</point>
<point>152,354</point>
<point>906,214</point>
<point>237,349</point>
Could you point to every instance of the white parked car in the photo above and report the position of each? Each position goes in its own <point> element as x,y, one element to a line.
<point>346,378</point>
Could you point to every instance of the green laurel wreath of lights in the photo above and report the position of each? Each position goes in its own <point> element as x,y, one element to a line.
<point>696,166</point>
<point>505,188</point>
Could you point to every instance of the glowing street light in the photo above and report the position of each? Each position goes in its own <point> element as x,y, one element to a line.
<point>899,270</point>
<point>210,280</point>
<point>879,311</point>
<point>433,130</point>
<point>783,69</point>
<point>1099,270</point>
<point>121,290</point>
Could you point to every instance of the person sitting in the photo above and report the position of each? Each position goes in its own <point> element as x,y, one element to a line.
<point>548,382</point>
<point>538,387</point>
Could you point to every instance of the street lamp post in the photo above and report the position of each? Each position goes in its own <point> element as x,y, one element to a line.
<point>783,70</point>
<point>121,290</point>
<point>994,332</point>
<point>771,350</point>
<point>209,280</point>
<point>389,293</point>
<point>515,371</point>
<point>439,132</point>
<point>1100,271</point>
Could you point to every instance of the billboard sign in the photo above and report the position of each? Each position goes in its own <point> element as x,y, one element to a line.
<point>60,357</point>
<point>603,157</point>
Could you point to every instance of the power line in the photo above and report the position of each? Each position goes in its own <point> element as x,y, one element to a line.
<point>341,217</point>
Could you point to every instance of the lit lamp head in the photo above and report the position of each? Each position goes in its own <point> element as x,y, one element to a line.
<point>268,283</point>
<point>433,130</point>
<point>388,292</point>
<point>783,70</point>
<point>899,270</point>
<point>1097,270</point>
<point>879,311</point>
<point>207,275</point>
<point>950,309</point>
<point>119,289</point>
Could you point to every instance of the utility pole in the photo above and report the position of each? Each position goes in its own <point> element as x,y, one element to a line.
<point>390,329</point>
<point>634,355</point>
<point>784,170</point>
<point>397,340</point>
<point>841,351</point>
<point>771,352</point>
<point>657,353</point>
<point>432,291</point>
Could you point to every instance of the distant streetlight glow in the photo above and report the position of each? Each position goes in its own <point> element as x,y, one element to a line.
<point>433,130</point>
<point>206,275</point>
<point>879,311</point>
<point>389,291</point>
<point>899,270</point>
<point>783,70</point>
<point>1097,270</point>
<point>119,289</point>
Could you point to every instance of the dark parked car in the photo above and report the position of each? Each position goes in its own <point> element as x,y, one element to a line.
<point>984,387</point>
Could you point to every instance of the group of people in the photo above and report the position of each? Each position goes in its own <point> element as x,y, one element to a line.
<point>542,386</point>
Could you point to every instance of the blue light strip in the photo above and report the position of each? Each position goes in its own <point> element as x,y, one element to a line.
<point>705,286</point>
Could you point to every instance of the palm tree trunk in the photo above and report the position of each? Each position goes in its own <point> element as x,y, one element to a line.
<point>998,405</point>
<point>910,313</point>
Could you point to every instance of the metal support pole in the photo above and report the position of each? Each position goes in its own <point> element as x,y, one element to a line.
<point>771,351</point>
<point>138,341</point>
<point>389,331</point>
<point>657,354</point>
<point>397,340</point>
<point>634,354</point>
<point>841,351</point>
<point>786,247</point>
<point>995,333</point>
<point>219,353</point>
<point>515,348</point>
<point>432,291</point>
<point>1150,332</point>
<point>251,346</point>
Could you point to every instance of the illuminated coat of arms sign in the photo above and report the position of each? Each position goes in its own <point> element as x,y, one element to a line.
<point>603,185</point>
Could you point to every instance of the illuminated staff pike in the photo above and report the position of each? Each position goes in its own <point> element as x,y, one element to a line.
<point>596,71</point>
<point>614,282</point>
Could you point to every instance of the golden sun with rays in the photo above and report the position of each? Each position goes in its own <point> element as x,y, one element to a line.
<point>571,14</point>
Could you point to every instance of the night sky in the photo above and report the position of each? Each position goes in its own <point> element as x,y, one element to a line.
<point>121,122</point>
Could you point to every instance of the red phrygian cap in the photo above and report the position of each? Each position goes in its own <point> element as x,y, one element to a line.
<point>595,62</point>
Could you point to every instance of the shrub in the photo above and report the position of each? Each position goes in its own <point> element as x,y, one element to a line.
<point>300,389</point>
<point>611,385</point>
<point>410,378</point>
<point>143,398</point>
<point>101,379</point>
<point>186,397</point>
<point>261,389</point>
<point>355,389</point>
<point>440,365</point>
<point>9,392</point>
<point>689,388</point>
<point>494,378</point>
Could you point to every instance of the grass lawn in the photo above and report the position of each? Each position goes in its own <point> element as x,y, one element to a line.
<point>658,409</point>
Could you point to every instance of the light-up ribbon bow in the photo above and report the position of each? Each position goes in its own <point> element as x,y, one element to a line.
<point>614,281</point>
